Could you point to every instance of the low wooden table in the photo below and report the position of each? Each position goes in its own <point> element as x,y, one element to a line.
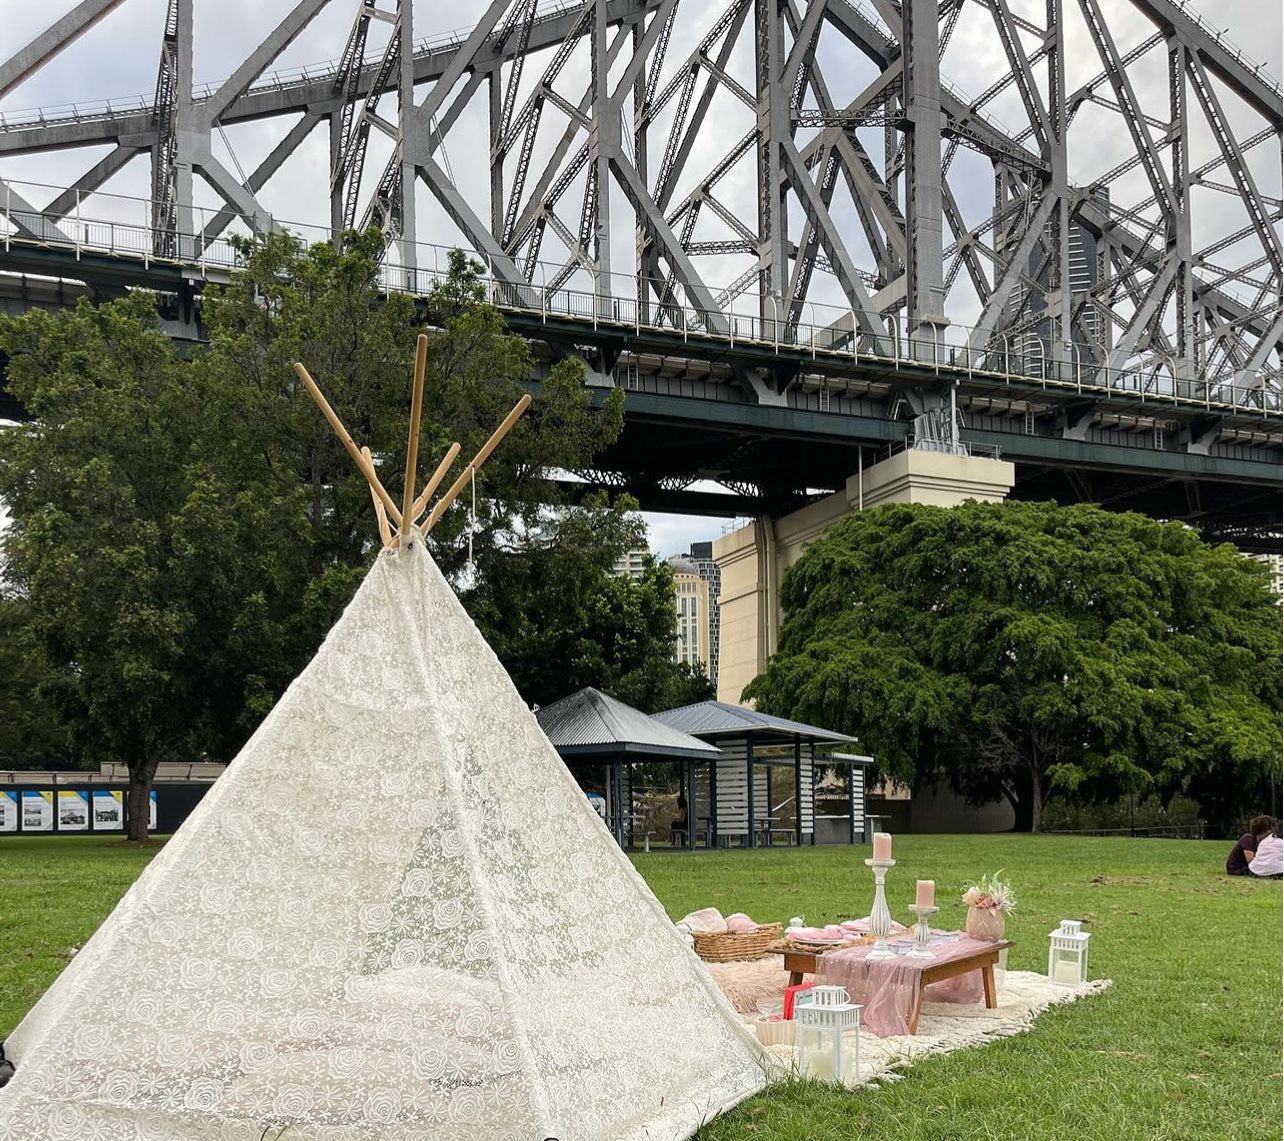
<point>799,963</point>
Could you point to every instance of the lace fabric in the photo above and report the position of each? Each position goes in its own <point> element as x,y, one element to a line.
<point>395,917</point>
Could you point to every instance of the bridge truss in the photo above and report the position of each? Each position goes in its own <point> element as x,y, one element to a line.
<point>801,169</point>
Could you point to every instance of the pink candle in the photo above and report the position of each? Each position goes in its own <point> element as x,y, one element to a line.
<point>882,845</point>
<point>925,893</point>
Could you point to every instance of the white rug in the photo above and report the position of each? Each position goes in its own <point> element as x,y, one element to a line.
<point>948,1026</point>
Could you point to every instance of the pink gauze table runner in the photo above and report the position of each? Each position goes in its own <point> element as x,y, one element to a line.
<point>888,988</point>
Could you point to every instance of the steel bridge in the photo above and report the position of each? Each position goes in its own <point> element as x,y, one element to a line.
<point>776,222</point>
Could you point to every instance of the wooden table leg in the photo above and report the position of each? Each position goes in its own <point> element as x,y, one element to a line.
<point>918,1009</point>
<point>795,977</point>
<point>987,979</point>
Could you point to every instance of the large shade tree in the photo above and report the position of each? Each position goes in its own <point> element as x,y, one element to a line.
<point>151,570</point>
<point>1020,650</point>
<point>184,533</point>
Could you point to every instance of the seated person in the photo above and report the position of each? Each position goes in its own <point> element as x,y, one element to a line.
<point>1246,846</point>
<point>1269,861</point>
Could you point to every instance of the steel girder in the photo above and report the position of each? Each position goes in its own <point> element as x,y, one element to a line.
<point>739,151</point>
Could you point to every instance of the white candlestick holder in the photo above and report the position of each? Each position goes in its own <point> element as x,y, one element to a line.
<point>922,932</point>
<point>880,919</point>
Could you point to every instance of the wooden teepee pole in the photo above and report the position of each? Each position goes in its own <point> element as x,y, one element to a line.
<point>412,441</point>
<point>416,508</point>
<point>385,532</point>
<point>480,458</point>
<point>367,469</point>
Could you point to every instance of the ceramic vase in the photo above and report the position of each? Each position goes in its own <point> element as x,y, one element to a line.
<point>985,924</point>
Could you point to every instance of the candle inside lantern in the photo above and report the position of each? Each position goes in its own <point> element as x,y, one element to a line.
<point>1065,971</point>
<point>925,893</point>
<point>821,1065</point>
<point>882,845</point>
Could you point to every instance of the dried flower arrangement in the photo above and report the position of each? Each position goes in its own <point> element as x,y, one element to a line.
<point>990,893</point>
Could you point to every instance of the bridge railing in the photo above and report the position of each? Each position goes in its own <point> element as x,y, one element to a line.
<point>122,227</point>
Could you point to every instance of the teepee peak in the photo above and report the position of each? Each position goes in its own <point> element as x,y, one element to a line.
<point>407,517</point>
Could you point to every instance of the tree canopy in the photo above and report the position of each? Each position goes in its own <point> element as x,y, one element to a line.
<point>146,561</point>
<point>185,532</point>
<point>1023,650</point>
<point>559,618</point>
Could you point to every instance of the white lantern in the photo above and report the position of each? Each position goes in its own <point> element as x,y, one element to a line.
<point>1068,954</point>
<point>829,1036</point>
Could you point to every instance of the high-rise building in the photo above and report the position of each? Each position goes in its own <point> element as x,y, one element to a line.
<point>632,562</point>
<point>697,582</point>
<point>691,613</point>
<point>702,555</point>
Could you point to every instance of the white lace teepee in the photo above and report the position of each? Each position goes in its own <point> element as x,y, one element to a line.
<point>396,917</point>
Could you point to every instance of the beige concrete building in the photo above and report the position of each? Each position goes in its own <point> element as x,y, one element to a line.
<point>754,558</point>
<point>692,609</point>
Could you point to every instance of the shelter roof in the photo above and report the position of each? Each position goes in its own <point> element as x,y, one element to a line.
<point>710,720</point>
<point>590,723</point>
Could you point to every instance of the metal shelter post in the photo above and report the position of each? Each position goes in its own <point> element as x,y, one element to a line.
<point>798,823</point>
<point>690,770</point>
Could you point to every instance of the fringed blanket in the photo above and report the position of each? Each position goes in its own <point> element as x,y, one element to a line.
<point>944,1026</point>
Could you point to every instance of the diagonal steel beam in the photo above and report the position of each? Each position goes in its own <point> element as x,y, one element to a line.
<point>1235,163</point>
<point>1005,22</point>
<point>1143,320</point>
<point>261,173</point>
<point>60,34</point>
<point>1270,341</point>
<point>1130,107</point>
<point>1017,264</point>
<point>240,198</point>
<point>91,180</point>
<point>280,38</point>
<point>650,217</point>
<point>500,264</point>
<point>857,296</point>
<point>1228,65</point>
<point>29,221</point>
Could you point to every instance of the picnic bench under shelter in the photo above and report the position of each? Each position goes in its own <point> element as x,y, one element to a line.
<point>591,729</point>
<point>734,789</point>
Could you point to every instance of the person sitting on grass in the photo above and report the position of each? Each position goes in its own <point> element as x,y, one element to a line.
<point>1268,864</point>
<point>1246,846</point>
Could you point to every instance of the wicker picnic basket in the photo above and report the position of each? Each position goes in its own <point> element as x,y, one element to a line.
<point>726,947</point>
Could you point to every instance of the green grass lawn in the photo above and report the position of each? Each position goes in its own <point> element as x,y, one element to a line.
<point>1185,1045</point>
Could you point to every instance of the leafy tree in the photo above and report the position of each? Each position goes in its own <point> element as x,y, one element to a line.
<point>327,308</point>
<point>559,618</point>
<point>146,562</point>
<point>185,533</point>
<point>31,730</point>
<point>1026,649</point>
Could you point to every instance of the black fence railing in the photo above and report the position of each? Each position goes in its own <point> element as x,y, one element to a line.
<point>1193,831</point>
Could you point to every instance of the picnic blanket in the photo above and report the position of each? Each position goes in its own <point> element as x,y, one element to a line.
<point>944,1027</point>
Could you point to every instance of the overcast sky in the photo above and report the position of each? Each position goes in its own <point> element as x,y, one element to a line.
<point>118,58</point>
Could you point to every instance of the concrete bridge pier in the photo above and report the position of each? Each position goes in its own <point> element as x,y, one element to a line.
<point>754,558</point>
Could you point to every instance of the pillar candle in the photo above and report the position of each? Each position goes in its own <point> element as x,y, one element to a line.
<point>882,845</point>
<point>1066,972</point>
<point>820,1065</point>
<point>925,893</point>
